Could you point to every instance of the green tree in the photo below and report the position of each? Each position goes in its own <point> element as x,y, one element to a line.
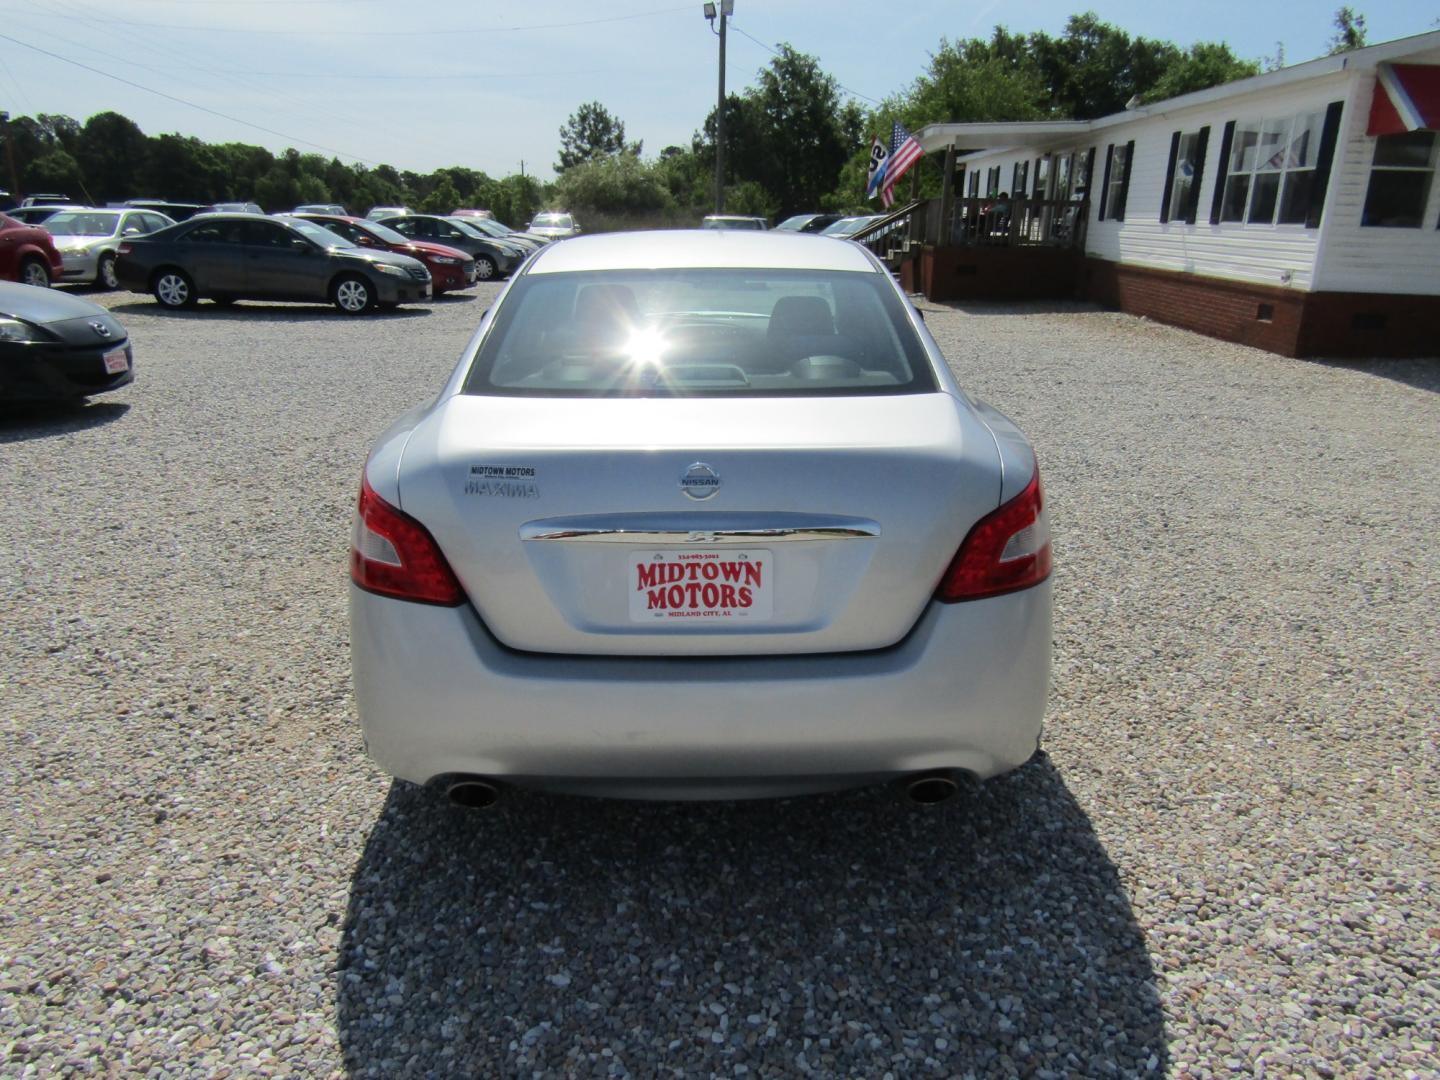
<point>56,171</point>
<point>1202,66</point>
<point>442,197</point>
<point>791,133</point>
<point>112,152</point>
<point>622,184</point>
<point>1349,31</point>
<point>592,132</point>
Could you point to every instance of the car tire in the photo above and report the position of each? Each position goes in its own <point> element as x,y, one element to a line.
<point>105,275</point>
<point>352,294</point>
<point>173,289</point>
<point>485,268</point>
<point>34,272</point>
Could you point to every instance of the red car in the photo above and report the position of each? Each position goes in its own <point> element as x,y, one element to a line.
<point>27,254</point>
<point>449,268</point>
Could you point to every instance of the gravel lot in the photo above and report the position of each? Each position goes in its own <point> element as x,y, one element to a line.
<point>1225,865</point>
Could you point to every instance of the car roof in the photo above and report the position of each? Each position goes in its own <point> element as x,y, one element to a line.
<point>700,249</point>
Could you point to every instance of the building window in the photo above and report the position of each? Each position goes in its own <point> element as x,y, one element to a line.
<point>1116,185</point>
<point>1400,180</point>
<point>992,181</point>
<point>974,182</point>
<point>1187,165</point>
<point>1272,175</point>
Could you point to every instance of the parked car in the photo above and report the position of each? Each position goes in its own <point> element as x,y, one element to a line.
<point>322,208</point>
<point>847,227</point>
<point>55,345</point>
<point>46,200</point>
<point>449,267</point>
<point>177,211</point>
<point>27,253</point>
<point>487,227</point>
<point>228,257</point>
<point>88,240</point>
<point>701,515</point>
<point>493,258</point>
<point>231,208</point>
<point>472,212</point>
<point>554,225</point>
<point>733,221</point>
<point>36,215</point>
<point>807,223</point>
<point>375,213</point>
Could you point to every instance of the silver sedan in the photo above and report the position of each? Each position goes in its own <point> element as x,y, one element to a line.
<point>89,240</point>
<point>701,515</point>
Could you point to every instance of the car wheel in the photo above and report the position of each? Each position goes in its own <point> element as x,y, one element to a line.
<point>34,272</point>
<point>174,289</point>
<point>485,268</point>
<point>105,272</point>
<point>353,294</point>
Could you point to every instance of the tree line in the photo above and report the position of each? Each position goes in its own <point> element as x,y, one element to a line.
<point>794,140</point>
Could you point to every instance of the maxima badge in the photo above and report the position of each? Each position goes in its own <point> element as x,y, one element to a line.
<point>700,481</point>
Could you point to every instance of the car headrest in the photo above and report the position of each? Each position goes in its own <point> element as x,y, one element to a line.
<point>800,315</point>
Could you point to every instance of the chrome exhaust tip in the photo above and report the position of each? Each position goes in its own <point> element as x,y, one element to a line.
<point>932,788</point>
<point>474,794</point>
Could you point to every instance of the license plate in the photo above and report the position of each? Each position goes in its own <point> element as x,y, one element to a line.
<point>116,361</point>
<point>701,585</point>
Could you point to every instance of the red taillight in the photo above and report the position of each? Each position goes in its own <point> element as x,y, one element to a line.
<point>394,555</point>
<point>125,249</point>
<point>1008,549</point>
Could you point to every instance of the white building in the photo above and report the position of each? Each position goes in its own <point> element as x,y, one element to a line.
<point>1295,210</point>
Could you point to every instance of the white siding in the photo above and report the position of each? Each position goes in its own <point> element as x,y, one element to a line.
<point>1279,255</point>
<point>1358,259</point>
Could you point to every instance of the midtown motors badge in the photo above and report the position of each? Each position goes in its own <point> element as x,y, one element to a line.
<point>700,481</point>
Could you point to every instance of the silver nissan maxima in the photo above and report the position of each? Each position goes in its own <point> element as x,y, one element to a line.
<point>701,515</point>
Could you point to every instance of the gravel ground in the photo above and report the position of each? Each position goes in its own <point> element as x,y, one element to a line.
<point>1225,865</point>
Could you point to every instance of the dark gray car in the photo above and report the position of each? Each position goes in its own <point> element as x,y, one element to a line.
<point>493,258</point>
<point>227,257</point>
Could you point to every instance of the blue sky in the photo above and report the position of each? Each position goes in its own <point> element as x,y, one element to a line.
<point>488,86</point>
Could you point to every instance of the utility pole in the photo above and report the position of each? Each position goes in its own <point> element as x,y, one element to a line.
<point>15,192</point>
<point>726,8</point>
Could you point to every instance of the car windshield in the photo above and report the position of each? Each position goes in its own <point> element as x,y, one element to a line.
<point>796,223</point>
<point>384,232</point>
<point>554,221</point>
<point>704,332</point>
<point>844,227</point>
<point>82,223</point>
<point>323,237</point>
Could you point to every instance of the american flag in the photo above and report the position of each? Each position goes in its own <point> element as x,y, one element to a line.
<point>904,151</point>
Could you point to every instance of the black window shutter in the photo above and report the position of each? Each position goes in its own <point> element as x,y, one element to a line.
<point>1323,162</point>
<point>1039,193</point>
<point>1105,184</point>
<point>1193,201</point>
<point>1218,199</point>
<point>1169,178</point>
<point>1123,195</point>
<point>1089,172</point>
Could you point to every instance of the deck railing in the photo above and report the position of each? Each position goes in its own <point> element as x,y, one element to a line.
<point>1010,222</point>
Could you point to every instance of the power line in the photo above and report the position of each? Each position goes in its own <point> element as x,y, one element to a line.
<point>191,104</point>
<point>776,52</point>
<point>448,32</point>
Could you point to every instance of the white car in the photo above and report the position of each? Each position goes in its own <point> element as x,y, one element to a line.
<point>89,240</point>
<point>554,225</point>
<point>701,514</point>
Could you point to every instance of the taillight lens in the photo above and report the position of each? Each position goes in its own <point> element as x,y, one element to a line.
<point>125,249</point>
<point>394,555</point>
<point>1007,549</point>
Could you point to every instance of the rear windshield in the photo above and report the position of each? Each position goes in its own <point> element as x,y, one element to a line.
<point>657,333</point>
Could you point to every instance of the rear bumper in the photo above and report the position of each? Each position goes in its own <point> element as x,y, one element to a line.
<point>437,694</point>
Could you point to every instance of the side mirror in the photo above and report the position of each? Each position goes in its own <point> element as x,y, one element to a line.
<point>302,246</point>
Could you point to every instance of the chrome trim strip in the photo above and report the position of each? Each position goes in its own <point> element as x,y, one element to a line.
<point>861,530</point>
